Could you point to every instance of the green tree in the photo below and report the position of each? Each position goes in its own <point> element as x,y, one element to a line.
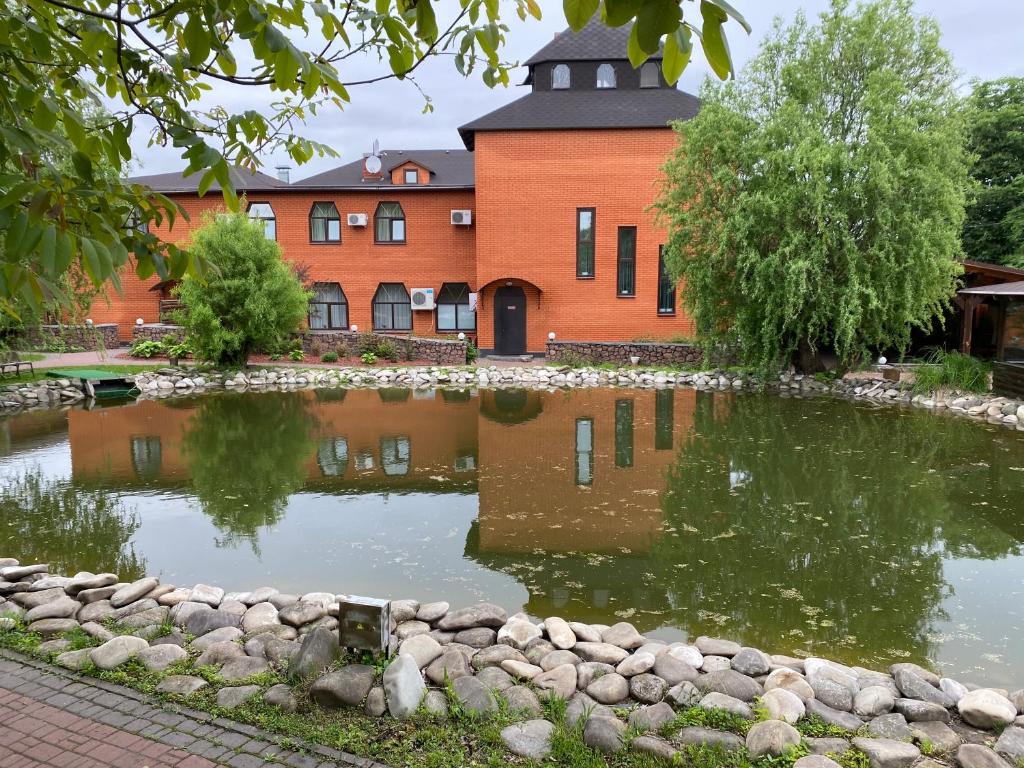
<point>154,62</point>
<point>994,229</point>
<point>252,299</point>
<point>816,202</point>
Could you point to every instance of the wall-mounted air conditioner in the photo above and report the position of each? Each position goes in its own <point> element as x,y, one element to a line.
<point>422,298</point>
<point>357,219</point>
<point>462,218</point>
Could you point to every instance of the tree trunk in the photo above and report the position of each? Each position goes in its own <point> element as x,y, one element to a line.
<point>807,360</point>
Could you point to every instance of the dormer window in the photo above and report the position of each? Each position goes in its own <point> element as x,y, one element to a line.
<point>606,76</point>
<point>560,77</point>
<point>649,75</point>
<point>411,176</point>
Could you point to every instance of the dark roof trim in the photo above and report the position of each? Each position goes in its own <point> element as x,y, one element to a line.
<point>993,270</point>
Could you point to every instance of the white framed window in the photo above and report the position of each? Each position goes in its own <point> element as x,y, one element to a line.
<point>265,213</point>
<point>560,77</point>
<point>606,76</point>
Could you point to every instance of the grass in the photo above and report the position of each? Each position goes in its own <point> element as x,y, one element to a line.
<point>40,373</point>
<point>952,371</point>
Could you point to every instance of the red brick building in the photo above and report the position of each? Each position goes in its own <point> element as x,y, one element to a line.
<point>541,225</point>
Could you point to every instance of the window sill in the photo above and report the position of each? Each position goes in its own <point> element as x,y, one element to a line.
<point>667,314</point>
<point>389,242</point>
<point>325,242</point>
<point>625,296</point>
<point>392,330</point>
<point>585,277</point>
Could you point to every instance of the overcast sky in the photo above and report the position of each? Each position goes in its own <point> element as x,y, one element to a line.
<point>985,39</point>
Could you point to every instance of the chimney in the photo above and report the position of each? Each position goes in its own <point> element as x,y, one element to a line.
<point>283,173</point>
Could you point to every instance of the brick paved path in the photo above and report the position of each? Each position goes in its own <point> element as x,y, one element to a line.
<point>53,718</point>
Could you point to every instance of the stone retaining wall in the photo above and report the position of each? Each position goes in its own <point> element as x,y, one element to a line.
<point>616,683</point>
<point>648,353</point>
<point>156,331</point>
<point>438,351</point>
<point>80,337</point>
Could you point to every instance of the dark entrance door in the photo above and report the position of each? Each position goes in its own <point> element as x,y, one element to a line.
<point>509,320</point>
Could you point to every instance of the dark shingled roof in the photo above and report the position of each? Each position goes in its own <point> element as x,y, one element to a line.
<point>450,168</point>
<point>595,42</point>
<point>587,109</point>
<point>245,181</point>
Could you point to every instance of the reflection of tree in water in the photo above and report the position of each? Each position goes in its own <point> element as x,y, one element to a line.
<point>823,517</point>
<point>72,529</point>
<point>246,454</point>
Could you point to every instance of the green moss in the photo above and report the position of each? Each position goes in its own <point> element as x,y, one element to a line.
<point>719,719</point>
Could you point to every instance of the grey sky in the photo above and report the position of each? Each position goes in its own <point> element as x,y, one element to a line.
<point>984,38</point>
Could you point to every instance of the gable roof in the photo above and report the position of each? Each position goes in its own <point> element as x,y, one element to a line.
<point>587,109</point>
<point>449,168</point>
<point>245,181</point>
<point>595,42</point>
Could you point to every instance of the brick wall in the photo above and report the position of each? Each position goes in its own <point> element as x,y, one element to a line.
<point>97,336</point>
<point>650,353</point>
<point>528,187</point>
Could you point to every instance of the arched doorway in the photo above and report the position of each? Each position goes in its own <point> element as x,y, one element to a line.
<point>510,320</point>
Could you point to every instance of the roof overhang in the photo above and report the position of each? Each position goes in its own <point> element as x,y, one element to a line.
<point>1015,289</point>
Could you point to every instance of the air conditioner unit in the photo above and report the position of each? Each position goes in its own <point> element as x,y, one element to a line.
<point>422,298</point>
<point>462,218</point>
<point>357,219</point>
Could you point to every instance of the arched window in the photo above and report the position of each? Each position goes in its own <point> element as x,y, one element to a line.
<point>391,308</point>
<point>560,76</point>
<point>606,76</point>
<point>649,75</point>
<point>394,455</point>
<point>332,456</point>
<point>147,457</point>
<point>453,311</point>
<point>389,223</point>
<point>324,223</point>
<point>328,309</point>
<point>263,212</point>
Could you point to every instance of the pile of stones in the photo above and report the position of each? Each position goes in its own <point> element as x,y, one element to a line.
<point>616,682</point>
<point>45,393</point>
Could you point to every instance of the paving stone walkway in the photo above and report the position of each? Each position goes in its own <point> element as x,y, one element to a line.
<point>52,718</point>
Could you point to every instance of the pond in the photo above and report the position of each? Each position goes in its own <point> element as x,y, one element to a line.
<point>800,526</point>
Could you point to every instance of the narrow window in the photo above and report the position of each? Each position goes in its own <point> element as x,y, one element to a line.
<point>453,311</point>
<point>560,77</point>
<point>649,75</point>
<point>263,212</point>
<point>584,451</point>
<point>389,223</point>
<point>324,223</point>
<point>136,222</point>
<point>147,457</point>
<point>585,241</point>
<point>332,456</point>
<point>394,455</point>
<point>391,308</point>
<point>328,309</point>
<point>412,176</point>
<point>606,76</point>
<point>664,418</point>
<point>666,290</point>
<point>364,461</point>
<point>624,433</point>
<point>626,280</point>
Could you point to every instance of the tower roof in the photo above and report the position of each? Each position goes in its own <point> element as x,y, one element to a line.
<point>595,42</point>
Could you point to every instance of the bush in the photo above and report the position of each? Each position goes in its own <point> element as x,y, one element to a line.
<point>952,370</point>
<point>315,348</point>
<point>472,352</point>
<point>368,358</point>
<point>296,355</point>
<point>251,299</point>
<point>387,349</point>
<point>342,350</point>
<point>146,348</point>
<point>329,357</point>
<point>366,342</point>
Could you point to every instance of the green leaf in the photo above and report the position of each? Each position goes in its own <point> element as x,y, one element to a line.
<point>732,12</point>
<point>637,55</point>
<point>713,41</point>
<point>656,19</point>
<point>619,12</point>
<point>579,12</point>
<point>678,49</point>
<point>197,38</point>
<point>426,22</point>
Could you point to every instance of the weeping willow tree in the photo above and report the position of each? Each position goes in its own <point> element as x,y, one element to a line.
<point>815,204</point>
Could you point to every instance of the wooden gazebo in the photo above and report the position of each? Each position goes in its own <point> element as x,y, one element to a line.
<point>1006,302</point>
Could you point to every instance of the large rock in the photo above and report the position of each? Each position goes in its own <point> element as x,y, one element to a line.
<point>449,666</point>
<point>751,662</point>
<point>404,610</point>
<point>345,688</point>
<point>832,716</point>
<point>403,686</point>
<point>157,658</point>
<point>604,734</point>
<point>150,617</point>
<point>18,572</point>
<point>684,695</point>
<point>915,669</point>
<point>559,632</point>
<point>235,696</point>
<point>652,716</point>
<point>585,633</point>
<point>412,628</point>
<point>713,646</point>
<point>815,761</point>
<point>715,700</point>
<point>81,582</point>
<point>709,737</point>
<point>941,736</point>
<point>517,633</point>
<point>659,749</point>
<point>493,656</point>
<point>919,711</point>
<point>771,737</point>
<point>986,709</point>
<point>281,696</point>
<point>495,678</point>
<point>423,649</point>
<point>833,686</point>
<point>556,659</point>
<point>829,745</point>
<point>588,671</point>
<point>622,635</point>
<point>1011,744</point>
<point>690,654</point>
<point>475,637</point>
<point>873,701</point>
<point>531,739</point>
<point>952,688</point>
<point>431,612</point>
<point>731,683</point>
<point>783,705</point>
<point>201,622</point>
<point>887,753</point>
<point>915,687</point>
<point>606,653</point>
<point>181,685</point>
<point>673,670</point>
<point>609,689</point>
<point>977,756</point>
<point>52,627</point>
<point>65,608</point>
<point>134,591</point>
<point>243,667</point>
<point>74,659</point>
<point>647,688</point>
<point>521,671</point>
<point>789,680</point>
<point>891,726</point>
<point>480,615</point>
<point>300,613</point>
<point>259,617</point>
<point>522,699</point>
<point>204,593</point>
<point>559,682</point>
<point>318,651</point>
<point>30,600</point>
<point>474,696</point>
<point>117,651</point>
<point>222,635</point>
<point>636,664</point>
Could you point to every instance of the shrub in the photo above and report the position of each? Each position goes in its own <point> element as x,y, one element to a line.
<point>574,359</point>
<point>366,342</point>
<point>472,352</point>
<point>387,349</point>
<point>952,370</point>
<point>296,355</point>
<point>315,348</point>
<point>368,358</point>
<point>251,298</point>
<point>146,348</point>
<point>342,350</point>
<point>177,350</point>
<point>329,357</point>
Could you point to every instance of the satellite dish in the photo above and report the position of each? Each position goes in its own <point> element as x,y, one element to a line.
<point>373,164</point>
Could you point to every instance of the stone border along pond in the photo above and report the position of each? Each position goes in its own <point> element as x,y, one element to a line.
<point>170,382</point>
<point>623,691</point>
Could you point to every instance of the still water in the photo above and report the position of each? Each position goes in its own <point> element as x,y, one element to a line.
<point>800,526</point>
